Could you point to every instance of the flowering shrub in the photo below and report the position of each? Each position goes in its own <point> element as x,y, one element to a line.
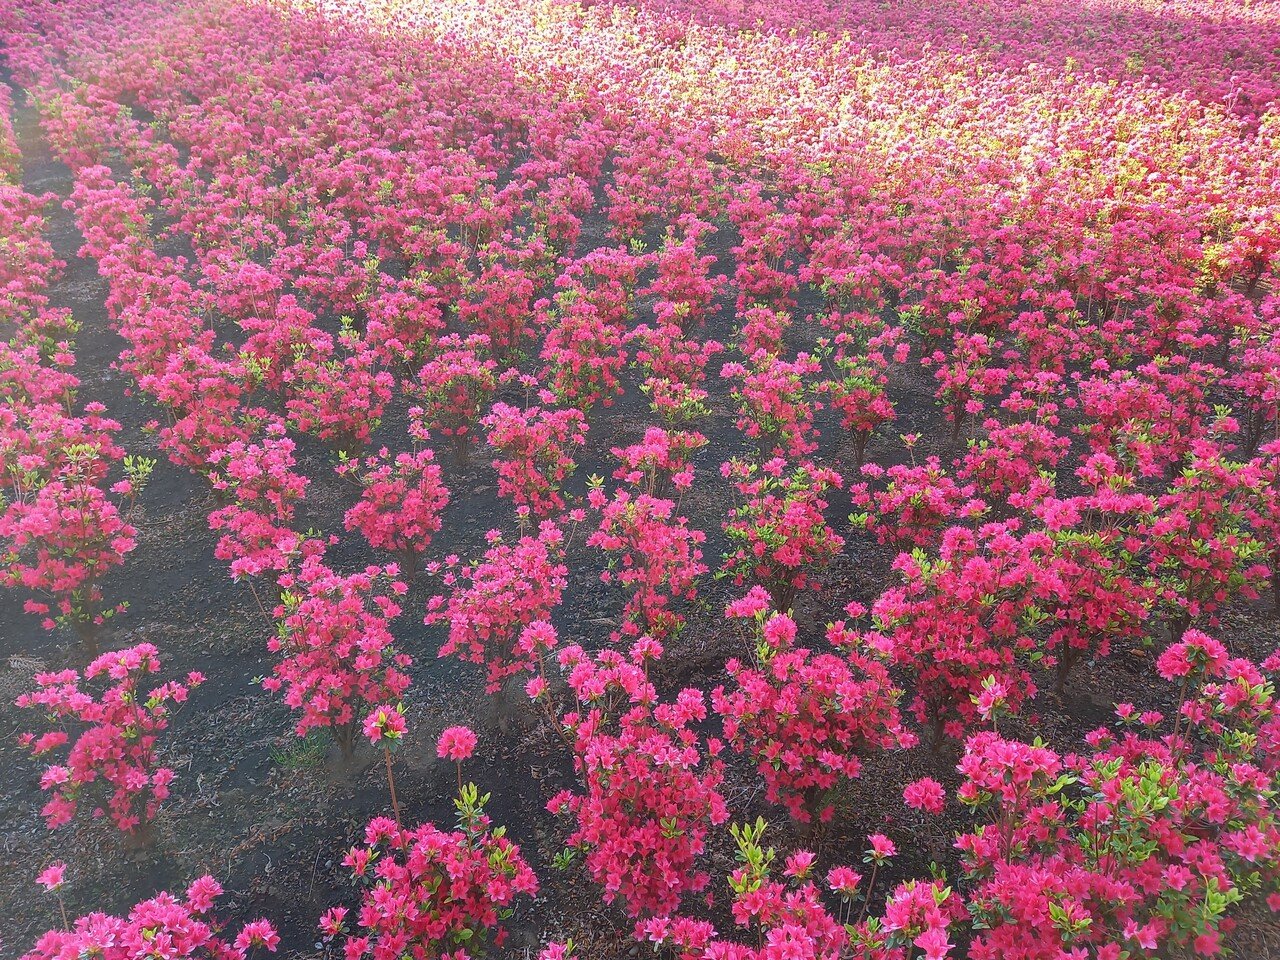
<point>663,352</point>
<point>965,377</point>
<point>431,892</point>
<point>1104,594</point>
<point>660,462</point>
<point>535,453</point>
<point>916,502</point>
<point>787,915</point>
<point>182,929</point>
<point>583,353</point>
<point>338,401</point>
<point>774,403</point>
<point>1151,417</point>
<point>1010,460</point>
<point>606,278</point>
<point>807,718</point>
<point>42,443</point>
<point>258,537</point>
<point>497,302</point>
<point>110,736</point>
<point>1054,872</point>
<point>683,283</point>
<point>494,603</point>
<point>454,385</point>
<point>1259,385</point>
<point>1198,542</point>
<point>337,655</point>
<point>765,258</point>
<point>648,795</point>
<point>59,544</point>
<point>59,531</point>
<point>964,617</point>
<point>400,506</point>
<point>204,398</point>
<point>654,555</point>
<point>674,369</point>
<point>777,534</point>
<point>917,916</point>
<point>1264,510</point>
<point>858,389</point>
<point>385,727</point>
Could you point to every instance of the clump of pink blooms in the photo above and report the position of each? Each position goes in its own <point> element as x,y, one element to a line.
<point>426,890</point>
<point>649,791</point>
<point>181,928</point>
<point>453,386</point>
<point>110,737</point>
<point>497,608</point>
<point>336,656</point>
<point>535,453</point>
<point>778,535</point>
<point>653,555</point>
<point>400,505</point>
<point>807,718</point>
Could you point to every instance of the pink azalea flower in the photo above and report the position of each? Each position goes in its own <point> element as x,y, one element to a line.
<point>456,743</point>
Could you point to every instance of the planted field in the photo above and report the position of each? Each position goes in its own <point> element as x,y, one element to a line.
<point>725,481</point>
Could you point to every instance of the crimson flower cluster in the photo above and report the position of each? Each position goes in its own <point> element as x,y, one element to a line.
<point>778,536</point>
<point>110,737</point>
<point>497,608</point>
<point>164,925</point>
<point>337,656</point>
<point>400,504</point>
<point>649,785</point>
<point>430,892</point>
<point>807,717</point>
<point>653,555</point>
<point>535,450</point>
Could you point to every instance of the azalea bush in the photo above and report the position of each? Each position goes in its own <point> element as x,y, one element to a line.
<point>183,927</point>
<point>965,616</point>
<point>536,449</point>
<point>649,784</point>
<point>400,504</point>
<point>858,388</point>
<point>807,718</point>
<point>336,656</point>
<point>778,535</point>
<point>264,488</point>
<point>653,555</point>
<point>1070,841</point>
<point>775,409</point>
<point>493,604</point>
<point>786,914</point>
<point>109,723</point>
<point>442,893</point>
<point>660,463</point>
<point>454,385</point>
<point>915,503</point>
<point>59,544</point>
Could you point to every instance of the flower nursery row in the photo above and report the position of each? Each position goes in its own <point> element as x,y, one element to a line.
<point>890,385</point>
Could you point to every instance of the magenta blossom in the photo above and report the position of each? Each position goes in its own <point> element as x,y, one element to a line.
<point>456,743</point>
<point>53,877</point>
<point>925,794</point>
